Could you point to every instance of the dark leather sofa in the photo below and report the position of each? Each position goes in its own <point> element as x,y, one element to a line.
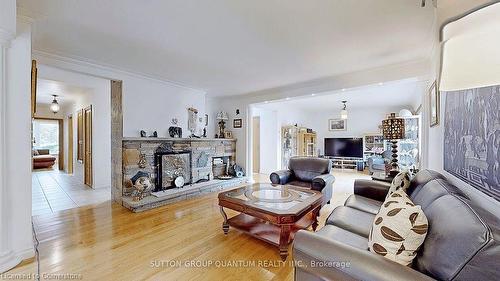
<point>308,172</point>
<point>462,242</point>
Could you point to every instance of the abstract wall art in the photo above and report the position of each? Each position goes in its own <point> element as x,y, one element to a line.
<point>472,137</point>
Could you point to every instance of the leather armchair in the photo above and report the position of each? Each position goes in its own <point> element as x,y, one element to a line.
<point>307,172</point>
<point>377,163</point>
<point>371,189</point>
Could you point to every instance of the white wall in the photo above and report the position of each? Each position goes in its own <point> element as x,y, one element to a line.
<point>15,146</point>
<point>269,139</point>
<point>148,104</point>
<point>43,111</point>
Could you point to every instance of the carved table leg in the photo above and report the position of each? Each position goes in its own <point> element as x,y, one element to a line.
<point>284,237</point>
<point>315,214</point>
<point>225,225</point>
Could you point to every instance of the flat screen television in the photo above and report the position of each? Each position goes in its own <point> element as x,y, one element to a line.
<point>344,147</point>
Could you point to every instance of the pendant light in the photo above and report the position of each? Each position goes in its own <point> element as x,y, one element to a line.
<point>343,112</point>
<point>54,107</point>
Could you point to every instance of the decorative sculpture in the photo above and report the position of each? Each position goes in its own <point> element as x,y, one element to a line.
<point>192,120</point>
<point>237,171</point>
<point>175,132</point>
<point>142,161</point>
<point>394,130</point>
<point>142,185</point>
<point>222,116</point>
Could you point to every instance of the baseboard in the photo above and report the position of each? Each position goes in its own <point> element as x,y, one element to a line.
<point>10,259</point>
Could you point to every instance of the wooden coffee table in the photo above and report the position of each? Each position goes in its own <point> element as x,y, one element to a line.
<point>272,213</point>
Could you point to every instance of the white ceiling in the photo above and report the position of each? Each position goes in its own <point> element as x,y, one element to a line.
<point>67,93</point>
<point>399,94</point>
<point>229,47</point>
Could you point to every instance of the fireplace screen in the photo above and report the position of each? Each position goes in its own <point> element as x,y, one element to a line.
<point>171,166</point>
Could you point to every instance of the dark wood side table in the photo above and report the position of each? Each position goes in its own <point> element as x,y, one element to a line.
<point>272,213</point>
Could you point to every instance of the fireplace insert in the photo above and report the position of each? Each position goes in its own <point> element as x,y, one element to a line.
<point>171,165</point>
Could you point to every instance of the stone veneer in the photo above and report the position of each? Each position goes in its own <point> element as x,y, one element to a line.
<point>201,150</point>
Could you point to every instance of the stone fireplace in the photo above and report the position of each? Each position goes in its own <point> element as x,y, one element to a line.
<point>199,161</point>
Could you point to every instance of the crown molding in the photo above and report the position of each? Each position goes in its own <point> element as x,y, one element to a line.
<point>112,69</point>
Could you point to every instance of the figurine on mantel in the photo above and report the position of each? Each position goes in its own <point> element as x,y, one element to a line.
<point>221,116</point>
<point>192,120</point>
<point>175,131</point>
<point>196,125</point>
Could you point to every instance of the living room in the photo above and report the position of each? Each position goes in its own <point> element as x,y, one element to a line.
<point>231,151</point>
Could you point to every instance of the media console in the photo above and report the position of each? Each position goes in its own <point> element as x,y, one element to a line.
<point>352,163</point>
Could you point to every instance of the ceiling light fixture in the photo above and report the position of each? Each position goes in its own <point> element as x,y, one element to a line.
<point>343,112</point>
<point>54,106</point>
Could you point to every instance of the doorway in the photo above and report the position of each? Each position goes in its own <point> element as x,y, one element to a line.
<point>77,183</point>
<point>69,169</point>
<point>256,144</point>
<point>48,138</point>
<point>87,145</point>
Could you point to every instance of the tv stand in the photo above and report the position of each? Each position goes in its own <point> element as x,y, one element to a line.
<point>345,162</point>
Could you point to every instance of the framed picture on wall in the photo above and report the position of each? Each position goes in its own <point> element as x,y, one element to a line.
<point>337,124</point>
<point>237,123</point>
<point>434,105</point>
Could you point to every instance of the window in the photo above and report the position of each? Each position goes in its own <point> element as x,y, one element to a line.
<point>46,135</point>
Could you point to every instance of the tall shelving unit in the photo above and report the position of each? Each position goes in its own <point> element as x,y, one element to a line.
<point>409,148</point>
<point>374,144</point>
<point>297,141</point>
<point>307,143</point>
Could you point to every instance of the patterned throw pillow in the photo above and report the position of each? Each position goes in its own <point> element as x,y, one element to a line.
<point>399,229</point>
<point>400,181</point>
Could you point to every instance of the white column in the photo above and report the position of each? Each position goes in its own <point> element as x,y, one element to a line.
<point>9,256</point>
<point>6,255</point>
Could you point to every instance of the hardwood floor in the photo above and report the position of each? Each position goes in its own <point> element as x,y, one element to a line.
<point>108,242</point>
